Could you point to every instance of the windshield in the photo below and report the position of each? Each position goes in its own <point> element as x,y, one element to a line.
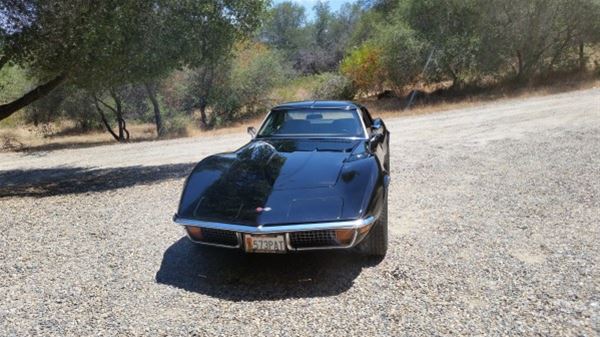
<point>321,123</point>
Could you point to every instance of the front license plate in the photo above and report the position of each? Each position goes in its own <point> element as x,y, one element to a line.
<point>264,243</point>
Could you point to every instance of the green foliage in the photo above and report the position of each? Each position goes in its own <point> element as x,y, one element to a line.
<point>451,27</point>
<point>177,125</point>
<point>45,110</point>
<point>106,43</point>
<point>533,37</point>
<point>284,27</point>
<point>78,106</point>
<point>314,46</point>
<point>237,87</point>
<point>195,57</point>
<point>256,72</point>
<point>477,38</point>
<point>364,68</point>
<point>297,88</point>
<point>402,55</point>
<point>334,87</point>
<point>13,81</point>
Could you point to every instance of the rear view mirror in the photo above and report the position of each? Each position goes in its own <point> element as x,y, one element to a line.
<point>252,131</point>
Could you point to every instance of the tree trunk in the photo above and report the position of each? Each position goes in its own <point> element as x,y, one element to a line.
<point>123,133</point>
<point>203,121</point>
<point>157,118</point>
<point>520,64</point>
<point>10,108</point>
<point>581,57</point>
<point>104,121</point>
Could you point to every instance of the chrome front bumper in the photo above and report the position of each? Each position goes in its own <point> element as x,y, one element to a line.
<point>359,227</point>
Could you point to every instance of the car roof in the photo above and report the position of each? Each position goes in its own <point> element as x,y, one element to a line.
<point>342,105</point>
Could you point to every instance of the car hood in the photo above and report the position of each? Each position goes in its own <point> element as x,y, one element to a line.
<point>270,182</point>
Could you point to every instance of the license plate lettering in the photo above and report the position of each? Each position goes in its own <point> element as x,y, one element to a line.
<point>265,243</point>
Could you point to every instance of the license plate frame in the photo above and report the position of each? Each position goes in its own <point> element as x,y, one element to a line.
<point>265,243</point>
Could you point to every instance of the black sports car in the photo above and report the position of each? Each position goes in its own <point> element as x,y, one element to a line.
<point>314,176</point>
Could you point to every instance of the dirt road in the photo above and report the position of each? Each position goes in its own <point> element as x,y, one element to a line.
<point>494,219</point>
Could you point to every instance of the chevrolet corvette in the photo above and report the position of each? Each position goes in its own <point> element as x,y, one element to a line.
<point>314,176</point>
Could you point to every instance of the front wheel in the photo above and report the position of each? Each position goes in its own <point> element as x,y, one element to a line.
<point>376,242</point>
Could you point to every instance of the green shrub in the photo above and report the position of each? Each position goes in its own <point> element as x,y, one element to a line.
<point>176,125</point>
<point>13,83</point>
<point>333,86</point>
<point>364,68</point>
<point>78,106</point>
<point>402,55</point>
<point>256,72</point>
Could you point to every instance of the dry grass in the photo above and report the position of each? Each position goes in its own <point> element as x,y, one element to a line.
<point>61,136</point>
<point>64,135</point>
<point>395,107</point>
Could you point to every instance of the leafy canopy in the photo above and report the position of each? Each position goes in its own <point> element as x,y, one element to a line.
<point>99,44</point>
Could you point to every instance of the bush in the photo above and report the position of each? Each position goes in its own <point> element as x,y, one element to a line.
<point>364,68</point>
<point>79,107</point>
<point>46,109</point>
<point>333,86</point>
<point>256,72</point>
<point>402,55</point>
<point>13,83</point>
<point>176,125</point>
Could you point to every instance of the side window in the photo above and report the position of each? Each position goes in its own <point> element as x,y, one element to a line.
<point>366,116</point>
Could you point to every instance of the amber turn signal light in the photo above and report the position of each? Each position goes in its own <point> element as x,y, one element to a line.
<point>365,229</point>
<point>194,232</point>
<point>344,236</point>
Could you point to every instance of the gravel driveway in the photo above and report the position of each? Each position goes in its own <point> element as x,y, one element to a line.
<point>495,230</point>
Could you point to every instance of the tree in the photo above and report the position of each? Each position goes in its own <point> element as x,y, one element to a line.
<point>248,76</point>
<point>329,34</point>
<point>284,27</point>
<point>207,84</point>
<point>117,109</point>
<point>236,87</point>
<point>103,44</point>
<point>403,55</point>
<point>364,68</point>
<point>537,36</point>
<point>452,28</point>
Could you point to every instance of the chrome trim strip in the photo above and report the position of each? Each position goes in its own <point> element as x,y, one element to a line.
<point>362,122</point>
<point>315,226</point>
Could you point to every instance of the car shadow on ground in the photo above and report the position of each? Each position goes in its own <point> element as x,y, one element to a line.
<point>73,180</point>
<point>236,276</point>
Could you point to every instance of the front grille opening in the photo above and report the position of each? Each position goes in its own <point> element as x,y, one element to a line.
<point>218,236</point>
<point>214,236</point>
<point>314,239</point>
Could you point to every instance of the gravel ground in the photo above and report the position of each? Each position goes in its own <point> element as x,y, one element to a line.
<point>494,219</point>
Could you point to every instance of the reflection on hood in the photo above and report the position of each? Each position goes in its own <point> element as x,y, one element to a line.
<point>244,187</point>
<point>295,180</point>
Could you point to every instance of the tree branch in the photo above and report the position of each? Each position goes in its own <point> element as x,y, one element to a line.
<point>10,108</point>
<point>106,105</point>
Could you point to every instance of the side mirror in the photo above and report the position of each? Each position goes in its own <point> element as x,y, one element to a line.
<point>252,131</point>
<point>374,140</point>
<point>377,124</point>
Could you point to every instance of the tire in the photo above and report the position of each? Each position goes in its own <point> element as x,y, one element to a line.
<point>376,242</point>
